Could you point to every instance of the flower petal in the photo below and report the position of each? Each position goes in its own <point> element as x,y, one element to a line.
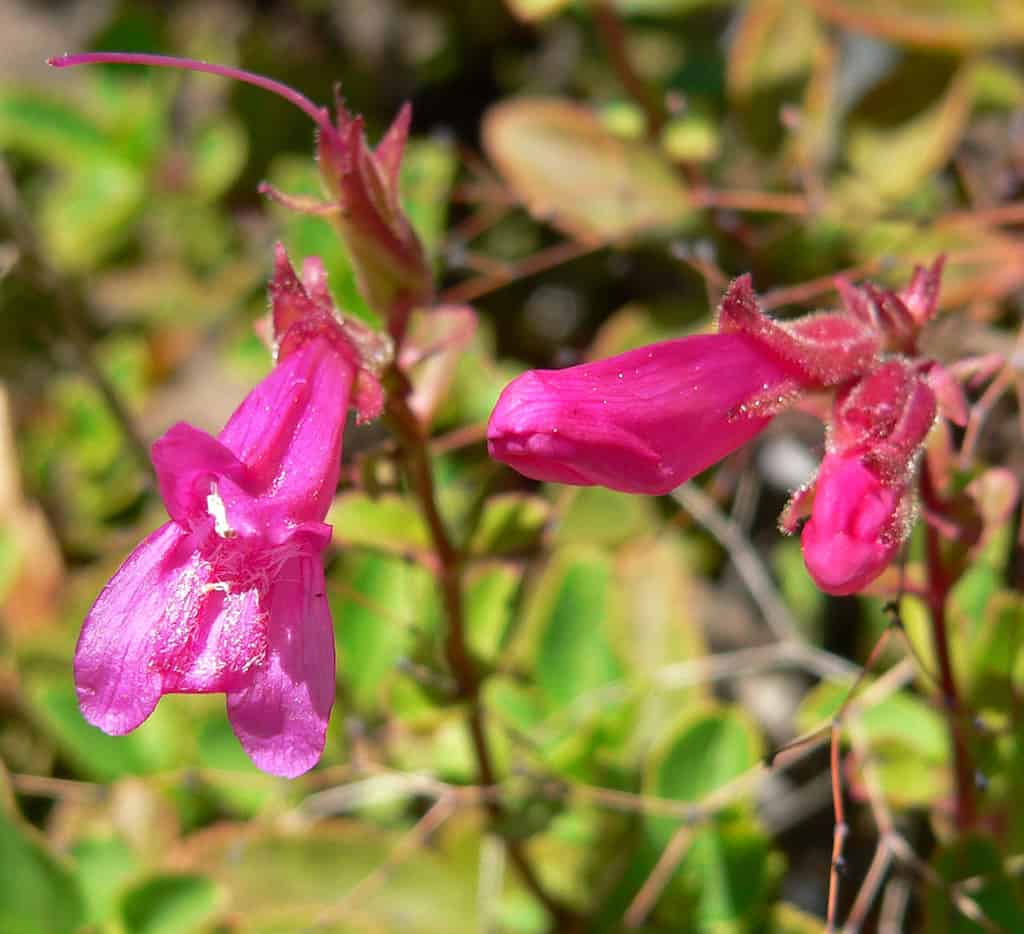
<point>118,687</point>
<point>281,717</point>
<point>288,431</point>
<point>226,640</point>
<point>856,527</point>
<point>183,457</point>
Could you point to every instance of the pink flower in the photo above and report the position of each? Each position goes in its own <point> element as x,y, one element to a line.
<point>229,595</point>
<point>644,421</point>
<point>856,527</point>
<point>862,500</point>
<point>648,420</point>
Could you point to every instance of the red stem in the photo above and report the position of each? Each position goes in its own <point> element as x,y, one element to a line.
<point>939,586</point>
<point>319,115</point>
<point>460,663</point>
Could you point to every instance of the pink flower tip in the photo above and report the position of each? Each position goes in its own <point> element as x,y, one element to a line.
<point>856,527</point>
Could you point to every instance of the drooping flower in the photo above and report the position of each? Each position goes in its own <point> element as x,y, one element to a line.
<point>641,422</point>
<point>648,420</point>
<point>863,501</point>
<point>856,527</point>
<point>228,596</point>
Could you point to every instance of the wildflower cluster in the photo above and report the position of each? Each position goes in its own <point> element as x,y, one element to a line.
<point>650,419</point>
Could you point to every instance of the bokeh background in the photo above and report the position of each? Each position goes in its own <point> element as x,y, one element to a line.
<point>642,656</point>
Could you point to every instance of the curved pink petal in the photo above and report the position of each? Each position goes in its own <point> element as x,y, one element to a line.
<point>222,645</point>
<point>226,640</point>
<point>184,457</point>
<point>288,432</point>
<point>641,422</point>
<point>147,600</point>
<point>856,525</point>
<point>281,717</point>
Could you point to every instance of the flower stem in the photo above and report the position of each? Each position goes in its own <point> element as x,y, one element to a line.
<point>939,586</point>
<point>463,669</point>
<point>319,115</point>
<point>613,35</point>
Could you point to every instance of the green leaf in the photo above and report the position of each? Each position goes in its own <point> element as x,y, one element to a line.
<point>788,919</point>
<point>51,131</point>
<point>490,597</point>
<point>390,522</point>
<point>37,893</point>
<point>995,896</point>
<point>103,866</point>
<point>799,591</point>
<point>286,882</point>
<point>568,621</point>
<point>952,24</point>
<point>907,739</point>
<point>510,522</point>
<point>597,516</point>
<point>896,139</point>
<point>535,11</point>
<point>731,872</point>
<point>170,904</point>
<point>218,154</point>
<point>994,653</point>
<point>155,745</point>
<point>567,168</point>
<point>428,171</point>
<point>703,751</point>
<point>377,602</point>
<point>775,44</point>
<point>89,212</point>
<point>658,625</point>
<point>728,870</point>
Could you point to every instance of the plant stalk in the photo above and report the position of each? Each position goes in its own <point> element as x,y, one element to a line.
<point>939,585</point>
<point>461,665</point>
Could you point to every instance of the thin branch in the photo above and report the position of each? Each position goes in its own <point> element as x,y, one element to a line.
<point>460,663</point>
<point>749,566</point>
<point>613,36</point>
<point>654,885</point>
<point>814,288</point>
<point>768,202</point>
<point>939,585</point>
<point>406,847</point>
<point>541,261</point>
<point>895,901</point>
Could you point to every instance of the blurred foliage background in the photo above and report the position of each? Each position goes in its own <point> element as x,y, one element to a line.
<point>588,176</point>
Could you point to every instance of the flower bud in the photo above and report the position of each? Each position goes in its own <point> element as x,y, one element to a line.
<point>857,525</point>
<point>644,421</point>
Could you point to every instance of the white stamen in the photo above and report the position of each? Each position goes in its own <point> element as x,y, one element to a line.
<point>218,512</point>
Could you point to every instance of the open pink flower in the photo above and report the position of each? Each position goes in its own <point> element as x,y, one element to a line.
<point>229,595</point>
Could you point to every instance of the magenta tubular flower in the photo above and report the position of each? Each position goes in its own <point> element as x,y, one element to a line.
<point>229,595</point>
<point>857,525</point>
<point>644,421</point>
